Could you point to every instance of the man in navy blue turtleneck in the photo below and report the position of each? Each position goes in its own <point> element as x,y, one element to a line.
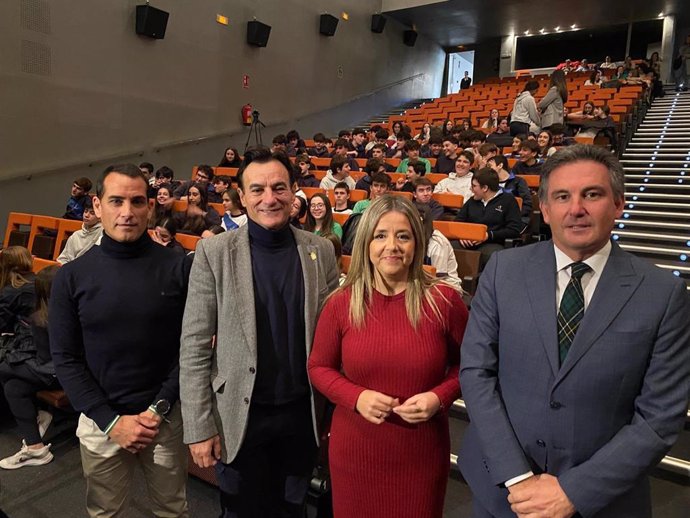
<point>114,325</point>
<point>257,290</point>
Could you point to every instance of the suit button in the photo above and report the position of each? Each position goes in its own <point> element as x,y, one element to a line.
<point>541,443</point>
<point>252,370</point>
<point>246,401</point>
<point>555,405</point>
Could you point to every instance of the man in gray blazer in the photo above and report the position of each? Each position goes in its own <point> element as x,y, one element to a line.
<point>576,360</point>
<point>247,404</point>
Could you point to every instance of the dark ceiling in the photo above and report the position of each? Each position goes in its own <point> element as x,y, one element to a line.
<point>466,22</point>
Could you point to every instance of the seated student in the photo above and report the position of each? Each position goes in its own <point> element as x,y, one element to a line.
<point>319,150</point>
<point>492,207</point>
<point>345,134</point>
<point>501,137</point>
<point>528,162</point>
<point>380,185</point>
<point>358,142</point>
<point>486,151</point>
<point>234,216</point>
<point>595,78</point>
<point>558,137</point>
<point>412,148</point>
<point>297,211</point>
<point>27,367</point>
<point>164,234</point>
<point>439,250</point>
<point>424,195</point>
<point>341,195</point>
<point>199,216</point>
<point>305,177</point>
<point>320,217</point>
<point>545,143</point>
<point>372,140</point>
<point>163,205</point>
<point>466,124</point>
<point>460,180</point>
<point>82,240</point>
<point>516,143</point>
<point>295,145</point>
<point>163,176</point>
<point>339,172</point>
<point>373,165</point>
<point>434,149</point>
<point>203,178</point>
<point>221,183</point>
<point>398,150</point>
<point>415,170</point>
<point>343,148</point>
<point>231,158</point>
<point>446,161</point>
<point>477,138</point>
<point>381,139</point>
<point>491,123</point>
<point>147,169</point>
<point>601,123</point>
<point>379,152</point>
<point>515,185</point>
<point>77,199</point>
<point>279,143</point>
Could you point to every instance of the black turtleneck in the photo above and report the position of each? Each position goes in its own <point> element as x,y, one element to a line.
<point>115,318</point>
<point>281,375</point>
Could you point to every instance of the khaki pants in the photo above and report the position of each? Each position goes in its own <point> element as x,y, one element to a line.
<point>109,470</point>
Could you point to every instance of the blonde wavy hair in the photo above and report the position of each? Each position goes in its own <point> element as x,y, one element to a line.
<point>421,286</point>
<point>16,264</point>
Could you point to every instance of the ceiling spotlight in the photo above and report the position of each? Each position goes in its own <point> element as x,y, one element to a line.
<point>660,15</point>
<point>557,28</point>
<point>542,30</point>
<point>573,26</point>
<point>526,33</point>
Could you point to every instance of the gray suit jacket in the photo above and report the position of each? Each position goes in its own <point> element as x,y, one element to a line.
<point>551,107</point>
<point>216,383</point>
<point>603,419</point>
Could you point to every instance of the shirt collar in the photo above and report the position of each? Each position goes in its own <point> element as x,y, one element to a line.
<point>596,262</point>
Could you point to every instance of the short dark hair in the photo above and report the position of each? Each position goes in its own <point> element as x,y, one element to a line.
<point>279,139</point>
<point>419,167</point>
<point>372,165</point>
<point>88,203</point>
<point>344,132</point>
<point>375,128</point>
<point>263,155</point>
<point>223,178</point>
<point>165,172</point>
<point>84,183</point>
<point>451,139</point>
<point>531,86</point>
<point>435,139</point>
<point>412,145</point>
<point>487,177</point>
<point>147,165</point>
<point>206,169</point>
<point>292,135</point>
<point>557,129</point>
<point>358,131</point>
<point>381,178</point>
<point>382,133</point>
<point>467,154</point>
<point>500,160</point>
<point>129,170</point>
<point>403,135</point>
<point>531,145</point>
<point>342,185</point>
<point>337,162</point>
<point>341,142</point>
<point>487,147</point>
<point>422,181</point>
<point>382,147</point>
<point>319,137</point>
<point>477,135</point>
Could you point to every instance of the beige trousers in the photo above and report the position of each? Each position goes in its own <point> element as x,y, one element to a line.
<point>109,470</point>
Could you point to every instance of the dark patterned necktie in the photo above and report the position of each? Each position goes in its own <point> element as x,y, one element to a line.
<point>571,310</point>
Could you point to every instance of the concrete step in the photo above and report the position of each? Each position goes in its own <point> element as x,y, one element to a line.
<point>648,214</point>
<point>636,188</point>
<point>656,251</point>
<point>676,240</point>
<point>656,205</point>
<point>651,224</point>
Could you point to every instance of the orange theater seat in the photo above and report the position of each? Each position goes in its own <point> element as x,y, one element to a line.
<point>461,230</point>
<point>66,227</point>
<point>39,264</point>
<point>448,200</point>
<point>14,235</point>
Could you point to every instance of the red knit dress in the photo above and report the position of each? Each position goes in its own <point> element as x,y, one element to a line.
<point>394,469</point>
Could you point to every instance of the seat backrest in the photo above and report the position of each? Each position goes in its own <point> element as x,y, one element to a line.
<point>66,227</point>
<point>461,230</point>
<point>15,220</point>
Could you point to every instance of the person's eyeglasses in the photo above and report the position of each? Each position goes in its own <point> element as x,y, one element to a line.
<point>318,206</point>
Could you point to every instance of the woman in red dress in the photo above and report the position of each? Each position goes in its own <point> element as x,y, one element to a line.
<point>386,352</point>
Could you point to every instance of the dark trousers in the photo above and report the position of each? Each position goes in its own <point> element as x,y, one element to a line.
<point>517,128</point>
<point>270,475</point>
<point>20,385</point>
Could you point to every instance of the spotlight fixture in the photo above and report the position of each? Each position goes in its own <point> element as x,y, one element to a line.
<point>661,15</point>
<point>573,26</point>
<point>542,31</point>
<point>557,29</point>
<point>526,33</point>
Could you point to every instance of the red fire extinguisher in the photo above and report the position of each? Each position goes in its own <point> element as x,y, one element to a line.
<point>247,114</point>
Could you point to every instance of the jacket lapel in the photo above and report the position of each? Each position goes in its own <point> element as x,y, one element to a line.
<point>540,273</point>
<point>242,285</point>
<point>615,287</point>
<point>309,260</point>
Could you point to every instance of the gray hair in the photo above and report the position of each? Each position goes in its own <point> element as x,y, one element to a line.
<point>581,152</point>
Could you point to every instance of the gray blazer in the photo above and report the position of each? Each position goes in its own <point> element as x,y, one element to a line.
<point>603,419</point>
<point>216,383</point>
<point>551,107</point>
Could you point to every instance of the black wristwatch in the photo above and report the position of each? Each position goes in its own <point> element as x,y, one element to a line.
<point>161,407</point>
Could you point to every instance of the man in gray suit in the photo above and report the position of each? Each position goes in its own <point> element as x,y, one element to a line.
<point>247,404</point>
<point>576,360</point>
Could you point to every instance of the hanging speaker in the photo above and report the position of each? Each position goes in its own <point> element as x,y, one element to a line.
<point>151,22</point>
<point>328,24</point>
<point>409,38</point>
<point>258,33</point>
<point>378,22</point>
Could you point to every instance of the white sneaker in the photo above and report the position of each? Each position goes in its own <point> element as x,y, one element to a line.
<point>27,457</point>
<point>44,419</point>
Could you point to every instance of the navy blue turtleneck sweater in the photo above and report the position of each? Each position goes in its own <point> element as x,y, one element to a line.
<point>281,375</point>
<point>115,317</point>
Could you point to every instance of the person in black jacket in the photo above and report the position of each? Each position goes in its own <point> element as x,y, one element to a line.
<point>494,208</point>
<point>510,183</point>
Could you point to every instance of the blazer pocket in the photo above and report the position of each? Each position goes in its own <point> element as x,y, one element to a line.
<point>217,384</point>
